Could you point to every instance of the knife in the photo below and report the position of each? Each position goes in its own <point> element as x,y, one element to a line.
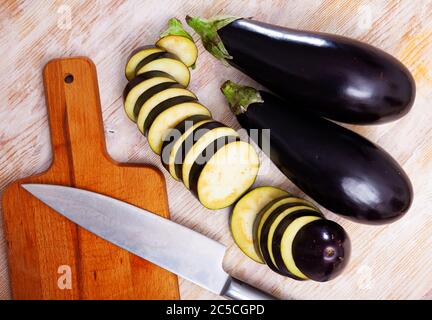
<point>171,246</point>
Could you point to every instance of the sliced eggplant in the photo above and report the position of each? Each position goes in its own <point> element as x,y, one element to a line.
<point>200,140</point>
<point>286,244</point>
<point>158,98</point>
<point>179,42</point>
<point>136,57</point>
<point>189,141</point>
<point>137,87</point>
<point>219,181</point>
<point>169,118</point>
<point>151,92</point>
<point>155,56</point>
<point>173,141</point>
<point>268,209</point>
<point>161,107</point>
<point>182,47</point>
<point>168,63</point>
<point>244,214</point>
<point>142,77</point>
<point>267,232</point>
<point>320,249</point>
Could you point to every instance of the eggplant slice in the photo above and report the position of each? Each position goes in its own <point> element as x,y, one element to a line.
<point>244,214</point>
<point>189,141</point>
<point>268,209</point>
<point>151,92</point>
<point>269,227</point>
<point>167,63</point>
<point>158,98</point>
<point>286,243</point>
<point>201,140</point>
<point>226,176</point>
<point>133,93</point>
<point>176,137</point>
<point>161,107</point>
<point>182,47</point>
<point>136,57</point>
<point>169,118</point>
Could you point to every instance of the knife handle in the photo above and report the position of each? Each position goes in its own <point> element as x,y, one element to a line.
<point>239,290</point>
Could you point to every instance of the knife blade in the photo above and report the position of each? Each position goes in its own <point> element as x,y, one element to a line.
<point>161,241</point>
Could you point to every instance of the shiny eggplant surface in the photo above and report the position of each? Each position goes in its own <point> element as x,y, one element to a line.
<point>338,168</point>
<point>329,75</point>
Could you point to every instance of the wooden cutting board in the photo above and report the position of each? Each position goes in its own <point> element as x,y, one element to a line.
<point>52,258</point>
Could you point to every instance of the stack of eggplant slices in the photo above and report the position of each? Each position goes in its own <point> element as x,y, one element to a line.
<point>313,78</point>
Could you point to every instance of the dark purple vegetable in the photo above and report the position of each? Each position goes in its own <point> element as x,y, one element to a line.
<point>332,76</point>
<point>321,249</point>
<point>338,168</point>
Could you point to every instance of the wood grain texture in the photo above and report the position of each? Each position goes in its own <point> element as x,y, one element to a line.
<point>392,261</point>
<point>40,241</point>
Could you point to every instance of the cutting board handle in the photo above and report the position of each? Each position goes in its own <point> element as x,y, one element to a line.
<point>72,96</point>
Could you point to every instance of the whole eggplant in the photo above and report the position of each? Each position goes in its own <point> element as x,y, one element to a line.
<point>338,168</point>
<point>332,76</point>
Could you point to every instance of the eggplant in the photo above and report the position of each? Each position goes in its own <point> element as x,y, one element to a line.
<point>332,76</point>
<point>157,98</point>
<point>161,107</point>
<point>223,172</point>
<point>296,240</point>
<point>169,115</point>
<point>245,213</point>
<point>135,58</point>
<point>293,210</point>
<point>178,41</point>
<point>166,62</point>
<point>310,247</point>
<point>325,259</point>
<point>338,168</point>
<point>195,144</point>
<point>136,87</point>
<point>175,138</point>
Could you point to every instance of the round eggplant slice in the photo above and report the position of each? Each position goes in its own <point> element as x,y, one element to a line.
<point>270,225</point>
<point>286,243</point>
<point>226,176</point>
<point>268,209</point>
<point>161,107</point>
<point>151,92</point>
<point>321,250</point>
<point>135,92</point>
<point>170,65</point>
<point>244,214</point>
<point>182,47</point>
<point>175,140</point>
<point>158,98</point>
<point>189,141</point>
<point>142,77</point>
<point>200,141</point>
<point>155,56</point>
<point>136,57</point>
<point>169,118</point>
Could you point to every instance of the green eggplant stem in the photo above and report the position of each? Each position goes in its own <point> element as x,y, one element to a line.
<point>207,29</point>
<point>240,97</point>
<point>175,28</point>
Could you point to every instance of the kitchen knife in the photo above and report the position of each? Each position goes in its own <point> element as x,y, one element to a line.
<point>172,246</point>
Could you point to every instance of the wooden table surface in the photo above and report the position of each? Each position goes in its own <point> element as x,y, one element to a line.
<point>388,262</point>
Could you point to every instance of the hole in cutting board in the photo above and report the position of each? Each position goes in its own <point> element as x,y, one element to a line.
<point>69,78</point>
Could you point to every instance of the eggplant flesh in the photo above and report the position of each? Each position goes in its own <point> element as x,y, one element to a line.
<point>338,168</point>
<point>333,76</point>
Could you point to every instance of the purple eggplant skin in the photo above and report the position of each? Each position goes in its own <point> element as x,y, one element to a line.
<point>321,250</point>
<point>332,76</point>
<point>338,168</point>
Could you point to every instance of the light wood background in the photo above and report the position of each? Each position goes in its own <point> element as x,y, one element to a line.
<point>388,262</point>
